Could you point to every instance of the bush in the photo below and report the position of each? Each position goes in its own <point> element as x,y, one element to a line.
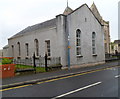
<point>6,61</point>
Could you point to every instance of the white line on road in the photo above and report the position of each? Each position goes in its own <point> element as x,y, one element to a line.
<point>77,90</point>
<point>117,76</point>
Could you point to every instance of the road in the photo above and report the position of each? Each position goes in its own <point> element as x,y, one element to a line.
<point>102,83</point>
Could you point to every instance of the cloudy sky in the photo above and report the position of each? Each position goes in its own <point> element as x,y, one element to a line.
<point>16,15</point>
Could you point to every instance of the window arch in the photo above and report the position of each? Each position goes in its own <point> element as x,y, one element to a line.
<point>19,51</point>
<point>48,50</point>
<point>36,47</point>
<point>78,42</point>
<point>12,50</point>
<point>27,49</point>
<point>93,43</point>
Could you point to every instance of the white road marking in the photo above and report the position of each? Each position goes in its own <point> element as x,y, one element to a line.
<point>117,76</point>
<point>77,90</point>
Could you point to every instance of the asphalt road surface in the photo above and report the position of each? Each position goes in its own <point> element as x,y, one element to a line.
<point>103,83</point>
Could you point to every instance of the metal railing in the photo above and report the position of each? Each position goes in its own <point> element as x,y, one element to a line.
<point>110,57</point>
<point>40,62</point>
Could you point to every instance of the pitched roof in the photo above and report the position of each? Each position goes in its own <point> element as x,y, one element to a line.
<point>6,46</point>
<point>89,9</point>
<point>94,8</point>
<point>46,24</point>
<point>50,23</point>
<point>96,12</point>
<point>67,10</point>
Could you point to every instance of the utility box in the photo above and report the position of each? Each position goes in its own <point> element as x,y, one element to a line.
<point>7,70</point>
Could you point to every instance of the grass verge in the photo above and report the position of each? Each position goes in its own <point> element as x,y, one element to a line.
<point>38,69</point>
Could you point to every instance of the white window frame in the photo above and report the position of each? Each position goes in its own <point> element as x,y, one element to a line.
<point>48,47</point>
<point>27,49</point>
<point>19,50</point>
<point>93,43</point>
<point>12,50</point>
<point>36,47</point>
<point>78,43</point>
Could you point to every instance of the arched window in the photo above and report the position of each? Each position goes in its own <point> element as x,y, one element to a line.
<point>19,51</point>
<point>78,42</point>
<point>93,43</point>
<point>27,49</point>
<point>48,50</point>
<point>36,47</point>
<point>12,50</point>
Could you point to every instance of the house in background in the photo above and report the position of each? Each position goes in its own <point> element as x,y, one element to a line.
<point>115,46</point>
<point>5,51</point>
<point>1,53</point>
<point>77,31</point>
<point>105,28</point>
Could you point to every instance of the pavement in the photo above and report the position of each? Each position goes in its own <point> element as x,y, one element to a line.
<point>34,78</point>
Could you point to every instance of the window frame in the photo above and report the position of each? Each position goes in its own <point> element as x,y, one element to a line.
<point>94,44</point>
<point>36,47</point>
<point>19,49</point>
<point>12,50</point>
<point>27,49</point>
<point>48,48</point>
<point>78,43</point>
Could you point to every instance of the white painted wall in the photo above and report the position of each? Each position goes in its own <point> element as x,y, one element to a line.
<point>41,35</point>
<point>77,21</point>
<point>58,38</point>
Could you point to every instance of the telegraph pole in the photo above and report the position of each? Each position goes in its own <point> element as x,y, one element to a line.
<point>68,45</point>
<point>68,51</point>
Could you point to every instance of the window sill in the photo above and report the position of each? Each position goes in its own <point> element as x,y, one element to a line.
<point>19,57</point>
<point>49,57</point>
<point>79,56</point>
<point>94,55</point>
<point>37,57</point>
<point>26,57</point>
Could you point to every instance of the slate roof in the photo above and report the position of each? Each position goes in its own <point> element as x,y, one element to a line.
<point>6,46</point>
<point>49,23</point>
<point>46,24</point>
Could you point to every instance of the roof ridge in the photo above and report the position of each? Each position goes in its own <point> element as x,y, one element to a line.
<point>77,8</point>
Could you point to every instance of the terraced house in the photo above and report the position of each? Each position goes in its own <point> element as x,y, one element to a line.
<point>77,34</point>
